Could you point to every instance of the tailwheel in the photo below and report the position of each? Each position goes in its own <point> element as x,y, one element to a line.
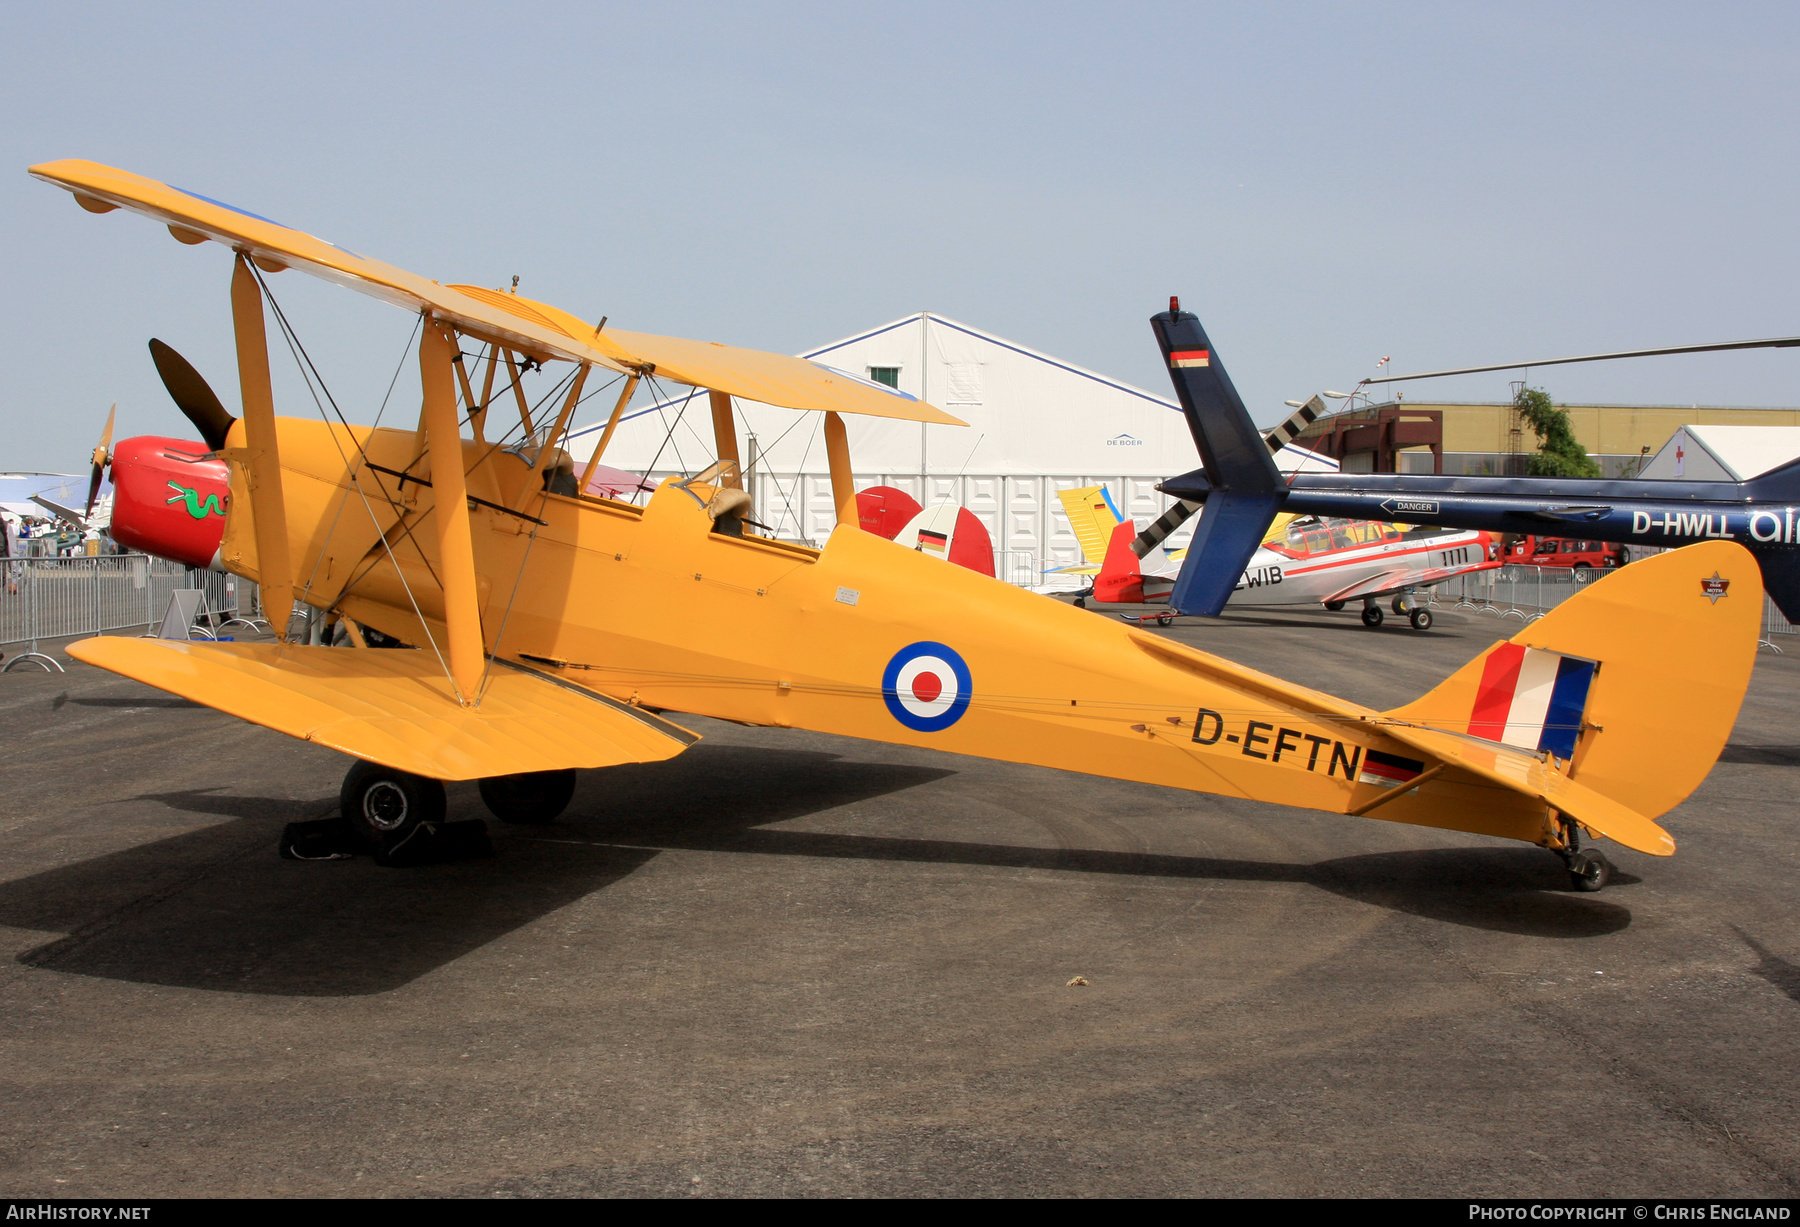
<point>1589,871</point>
<point>1421,619</point>
<point>529,796</point>
<point>386,806</point>
<point>1371,615</point>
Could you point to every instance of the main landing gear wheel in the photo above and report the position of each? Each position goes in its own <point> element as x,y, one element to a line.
<point>1399,607</point>
<point>384,806</point>
<point>1589,871</point>
<point>1421,619</point>
<point>530,796</point>
<point>1334,606</point>
<point>1371,615</point>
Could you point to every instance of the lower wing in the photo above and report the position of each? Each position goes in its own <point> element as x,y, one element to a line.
<point>396,707</point>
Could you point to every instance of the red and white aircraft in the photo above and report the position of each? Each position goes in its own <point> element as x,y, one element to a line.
<point>1309,561</point>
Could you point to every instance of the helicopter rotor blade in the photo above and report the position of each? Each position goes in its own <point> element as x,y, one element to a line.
<point>1768,343</point>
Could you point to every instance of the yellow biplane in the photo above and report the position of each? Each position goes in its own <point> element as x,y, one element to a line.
<point>551,629</point>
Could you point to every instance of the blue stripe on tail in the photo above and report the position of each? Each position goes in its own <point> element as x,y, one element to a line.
<point>1568,703</point>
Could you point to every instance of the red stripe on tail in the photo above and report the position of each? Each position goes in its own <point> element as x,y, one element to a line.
<point>1493,698</point>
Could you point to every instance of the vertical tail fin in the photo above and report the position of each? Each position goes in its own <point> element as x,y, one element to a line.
<point>1093,517</point>
<point>1634,683</point>
<point>1120,578</point>
<point>1246,487</point>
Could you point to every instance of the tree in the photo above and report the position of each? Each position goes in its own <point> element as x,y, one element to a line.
<point>1559,453</point>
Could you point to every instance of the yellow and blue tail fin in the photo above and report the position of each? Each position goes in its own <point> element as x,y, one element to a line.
<point>1092,516</point>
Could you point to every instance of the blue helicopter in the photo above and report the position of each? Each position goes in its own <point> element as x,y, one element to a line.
<point>1242,491</point>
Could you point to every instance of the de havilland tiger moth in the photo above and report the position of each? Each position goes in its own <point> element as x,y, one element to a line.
<point>547,630</point>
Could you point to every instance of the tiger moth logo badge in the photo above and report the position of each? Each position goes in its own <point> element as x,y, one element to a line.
<point>1714,588</point>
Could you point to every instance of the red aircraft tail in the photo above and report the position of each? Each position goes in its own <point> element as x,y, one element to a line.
<point>1120,579</point>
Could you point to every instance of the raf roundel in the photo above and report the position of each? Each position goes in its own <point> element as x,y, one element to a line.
<point>927,687</point>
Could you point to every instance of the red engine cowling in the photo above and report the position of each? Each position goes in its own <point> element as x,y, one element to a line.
<point>169,499</point>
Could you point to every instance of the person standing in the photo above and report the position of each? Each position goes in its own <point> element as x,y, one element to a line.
<point>10,550</point>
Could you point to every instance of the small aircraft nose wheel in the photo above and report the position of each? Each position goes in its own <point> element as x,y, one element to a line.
<point>384,806</point>
<point>529,796</point>
<point>1589,871</point>
<point>1421,619</point>
<point>1371,615</point>
<point>1334,606</point>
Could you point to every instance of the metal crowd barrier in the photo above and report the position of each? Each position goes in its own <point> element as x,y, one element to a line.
<point>1774,623</point>
<point>61,598</point>
<point>1528,593</point>
<point>1515,590</point>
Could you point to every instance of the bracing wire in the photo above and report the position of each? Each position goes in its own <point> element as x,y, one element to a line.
<point>787,502</point>
<point>398,367</point>
<point>799,417</point>
<point>299,351</point>
<point>669,433</point>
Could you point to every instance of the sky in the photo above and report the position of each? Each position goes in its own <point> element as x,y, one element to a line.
<point>1325,185</point>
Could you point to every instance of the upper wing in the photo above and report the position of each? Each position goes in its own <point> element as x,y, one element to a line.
<point>775,379</point>
<point>753,374</point>
<point>395,707</point>
<point>532,328</point>
<point>1403,577</point>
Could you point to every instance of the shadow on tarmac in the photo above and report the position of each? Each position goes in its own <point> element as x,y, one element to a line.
<point>1761,756</point>
<point>131,702</point>
<point>1771,967</point>
<point>216,909</point>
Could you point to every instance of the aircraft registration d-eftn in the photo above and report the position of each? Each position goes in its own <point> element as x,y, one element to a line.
<point>552,628</point>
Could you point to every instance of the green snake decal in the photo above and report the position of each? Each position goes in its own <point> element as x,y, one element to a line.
<point>195,507</point>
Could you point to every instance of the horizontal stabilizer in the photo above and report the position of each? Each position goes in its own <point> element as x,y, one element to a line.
<point>396,707</point>
<point>1526,773</point>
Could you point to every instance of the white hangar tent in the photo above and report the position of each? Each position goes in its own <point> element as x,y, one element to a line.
<point>1037,425</point>
<point>1724,453</point>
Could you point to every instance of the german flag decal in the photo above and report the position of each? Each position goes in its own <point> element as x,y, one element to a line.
<point>1388,770</point>
<point>1179,358</point>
